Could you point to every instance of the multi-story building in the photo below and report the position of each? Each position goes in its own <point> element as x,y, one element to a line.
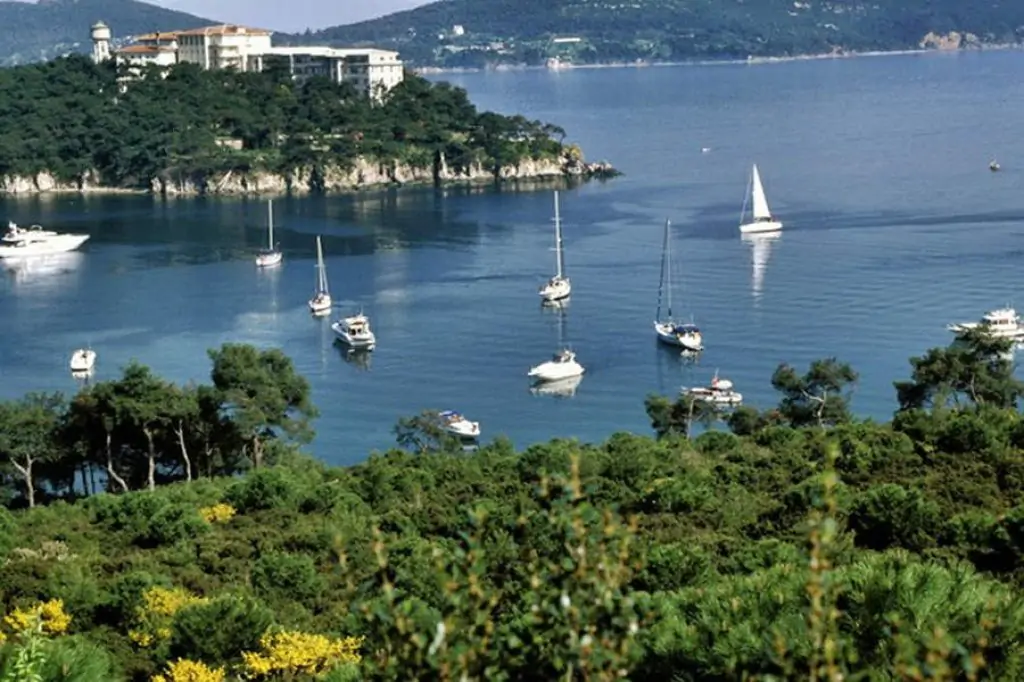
<point>371,71</point>
<point>222,47</point>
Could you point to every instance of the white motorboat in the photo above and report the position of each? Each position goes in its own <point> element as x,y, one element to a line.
<point>320,304</point>
<point>562,365</point>
<point>761,219</point>
<point>719,392</point>
<point>558,287</point>
<point>271,255</point>
<point>83,360</point>
<point>20,242</point>
<point>685,336</point>
<point>457,425</point>
<point>561,388</point>
<point>355,332</point>
<point>1002,323</point>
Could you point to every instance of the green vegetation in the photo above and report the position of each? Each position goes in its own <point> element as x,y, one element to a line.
<point>799,544</point>
<point>46,29</point>
<point>521,31</point>
<point>68,118</point>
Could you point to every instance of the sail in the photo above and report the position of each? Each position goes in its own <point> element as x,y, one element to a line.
<point>321,274</point>
<point>270,224</point>
<point>665,283</point>
<point>758,199</point>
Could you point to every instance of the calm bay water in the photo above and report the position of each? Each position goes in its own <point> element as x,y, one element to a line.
<point>878,167</point>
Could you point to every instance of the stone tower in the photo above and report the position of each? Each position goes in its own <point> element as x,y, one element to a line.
<point>100,42</point>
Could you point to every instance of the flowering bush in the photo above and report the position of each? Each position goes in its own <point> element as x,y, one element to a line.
<point>49,616</point>
<point>184,670</point>
<point>218,513</point>
<point>154,615</point>
<point>299,652</point>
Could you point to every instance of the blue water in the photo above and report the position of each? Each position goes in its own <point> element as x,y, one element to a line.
<point>877,166</point>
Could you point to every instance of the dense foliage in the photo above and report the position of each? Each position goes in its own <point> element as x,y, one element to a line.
<point>67,117</point>
<point>34,31</point>
<point>521,31</point>
<point>799,544</point>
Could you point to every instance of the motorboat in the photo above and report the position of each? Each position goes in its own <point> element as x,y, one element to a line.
<point>718,392</point>
<point>270,256</point>
<point>562,365</point>
<point>994,166</point>
<point>457,425</point>
<point>320,304</point>
<point>560,388</point>
<point>83,360</point>
<point>761,219</point>
<point>668,330</point>
<point>558,287</point>
<point>20,242</point>
<point>355,332</point>
<point>1002,323</point>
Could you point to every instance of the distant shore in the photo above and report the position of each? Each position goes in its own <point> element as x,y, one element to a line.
<point>566,66</point>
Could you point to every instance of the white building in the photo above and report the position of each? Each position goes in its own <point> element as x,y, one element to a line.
<point>222,47</point>
<point>100,42</point>
<point>369,70</point>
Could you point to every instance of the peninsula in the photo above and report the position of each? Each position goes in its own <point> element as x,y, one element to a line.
<point>75,125</point>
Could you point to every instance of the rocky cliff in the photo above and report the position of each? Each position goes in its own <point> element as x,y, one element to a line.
<point>361,174</point>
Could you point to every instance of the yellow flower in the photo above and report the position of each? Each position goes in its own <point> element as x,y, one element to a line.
<point>184,670</point>
<point>48,616</point>
<point>153,617</point>
<point>218,513</point>
<point>299,652</point>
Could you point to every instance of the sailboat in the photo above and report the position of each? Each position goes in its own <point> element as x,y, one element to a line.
<point>320,304</point>
<point>271,255</point>
<point>761,216</point>
<point>558,287</point>
<point>563,365</point>
<point>685,336</point>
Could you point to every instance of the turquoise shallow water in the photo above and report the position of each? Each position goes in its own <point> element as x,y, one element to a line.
<point>894,227</point>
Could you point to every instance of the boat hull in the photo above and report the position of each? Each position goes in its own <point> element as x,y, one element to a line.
<point>761,226</point>
<point>556,291</point>
<point>268,260</point>
<point>320,306</point>
<point>666,334</point>
<point>360,341</point>
<point>556,371</point>
<point>59,244</point>
<point>725,398</point>
<point>82,361</point>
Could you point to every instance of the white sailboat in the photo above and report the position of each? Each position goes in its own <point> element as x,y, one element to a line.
<point>82,361</point>
<point>271,255</point>
<point>685,336</point>
<point>559,286</point>
<point>320,304</point>
<point>761,219</point>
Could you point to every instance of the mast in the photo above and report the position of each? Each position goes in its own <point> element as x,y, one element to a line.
<point>661,281</point>
<point>270,224</point>
<point>558,239</point>
<point>668,267</point>
<point>321,277</point>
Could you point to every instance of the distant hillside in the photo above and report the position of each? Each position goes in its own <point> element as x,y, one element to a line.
<point>523,31</point>
<point>34,32</point>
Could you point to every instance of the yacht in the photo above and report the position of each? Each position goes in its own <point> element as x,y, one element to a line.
<point>35,241</point>
<point>355,332</point>
<point>562,365</point>
<point>685,336</point>
<point>1002,323</point>
<point>457,425</point>
<point>558,287</point>
<point>83,360</point>
<point>320,304</point>
<point>719,392</point>
<point>270,256</point>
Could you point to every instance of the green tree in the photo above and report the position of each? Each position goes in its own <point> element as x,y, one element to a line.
<point>28,435</point>
<point>820,397</point>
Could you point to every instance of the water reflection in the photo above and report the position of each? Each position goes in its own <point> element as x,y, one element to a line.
<point>562,388</point>
<point>761,249</point>
<point>47,273</point>
<point>360,359</point>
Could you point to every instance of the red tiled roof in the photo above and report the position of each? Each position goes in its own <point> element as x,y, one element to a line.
<point>224,29</point>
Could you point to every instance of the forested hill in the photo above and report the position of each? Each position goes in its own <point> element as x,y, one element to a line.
<point>521,31</point>
<point>37,31</point>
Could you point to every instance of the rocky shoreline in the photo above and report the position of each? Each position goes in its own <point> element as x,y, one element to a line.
<point>359,175</point>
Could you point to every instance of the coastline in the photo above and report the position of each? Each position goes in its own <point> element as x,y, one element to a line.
<point>639,64</point>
